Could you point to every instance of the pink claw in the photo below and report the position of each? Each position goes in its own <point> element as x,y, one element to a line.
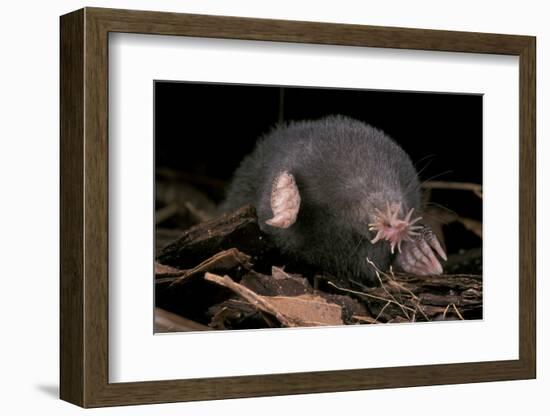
<point>434,243</point>
<point>418,256</point>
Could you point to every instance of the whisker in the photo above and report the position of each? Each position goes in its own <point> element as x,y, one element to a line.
<point>424,168</point>
<point>361,239</point>
<point>430,179</point>
<point>443,207</point>
<point>418,172</point>
<point>423,159</point>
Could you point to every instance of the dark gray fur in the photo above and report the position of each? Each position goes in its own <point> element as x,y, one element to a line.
<point>344,169</point>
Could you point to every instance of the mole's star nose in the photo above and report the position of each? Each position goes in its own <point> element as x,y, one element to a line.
<point>395,230</point>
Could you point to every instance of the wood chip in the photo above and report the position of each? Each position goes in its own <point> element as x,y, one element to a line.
<point>236,230</point>
<point>226,261</point>
<point>270,286</point>
<point>308,310</point>
<point>304,310</point>
<point>239,314</point>
<point>162,270</point>
<point>170,322</point>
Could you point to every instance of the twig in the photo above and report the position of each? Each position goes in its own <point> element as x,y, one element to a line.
<point>250,296</point>
<point>165,213</point>
<point>418,307</point>
<point>391,280</point>
<point>227,260</point>
<point>395,283</point>
<point>445,311</point>
<point>381,312</point>
<point>456,311</point>
<point>191,177</point>
<point>368,295</point>
<point>472,225</point>
<point>367,319</point>
<point>377,272</point>
<point>464,186</point>
<point>198,214</point>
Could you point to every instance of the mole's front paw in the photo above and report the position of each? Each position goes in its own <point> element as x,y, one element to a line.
<point>417,255</point>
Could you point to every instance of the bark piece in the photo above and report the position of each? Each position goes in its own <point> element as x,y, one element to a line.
<point>308,310</point>
<point>236,230</point>
<point>162,270</point>
<point>277,284</point>
<point>226,261</point>
<point>165,236</point>
<point>418,298</point>
<point>350,307</point>
<point>468,261</point>
<point>239,314</point>
<point>358,319</point>
<point>169,322</point>
<point>303,310</point>
<point>189,295</point>
<point>251,297</point>
<point>182,200</point>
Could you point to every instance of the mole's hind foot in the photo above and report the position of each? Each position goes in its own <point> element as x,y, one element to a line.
<point>417,255</point>
<point>285,201</point>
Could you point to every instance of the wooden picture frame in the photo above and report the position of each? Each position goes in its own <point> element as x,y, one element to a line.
<point>84,207</point>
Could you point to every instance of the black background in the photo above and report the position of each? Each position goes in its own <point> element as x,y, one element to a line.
<point>206,129</point>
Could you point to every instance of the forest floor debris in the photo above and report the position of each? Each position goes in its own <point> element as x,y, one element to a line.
<point>224,274</point>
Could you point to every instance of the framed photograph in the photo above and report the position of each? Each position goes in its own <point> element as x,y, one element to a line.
<point>255,207</point>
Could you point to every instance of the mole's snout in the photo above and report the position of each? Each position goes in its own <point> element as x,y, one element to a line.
<point>389,226</point>
<point>419,242</point>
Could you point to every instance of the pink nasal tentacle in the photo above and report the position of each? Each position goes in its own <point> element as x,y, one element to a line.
<point>390,227</point>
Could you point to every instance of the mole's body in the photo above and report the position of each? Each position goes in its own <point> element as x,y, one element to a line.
<point>334,192</point>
